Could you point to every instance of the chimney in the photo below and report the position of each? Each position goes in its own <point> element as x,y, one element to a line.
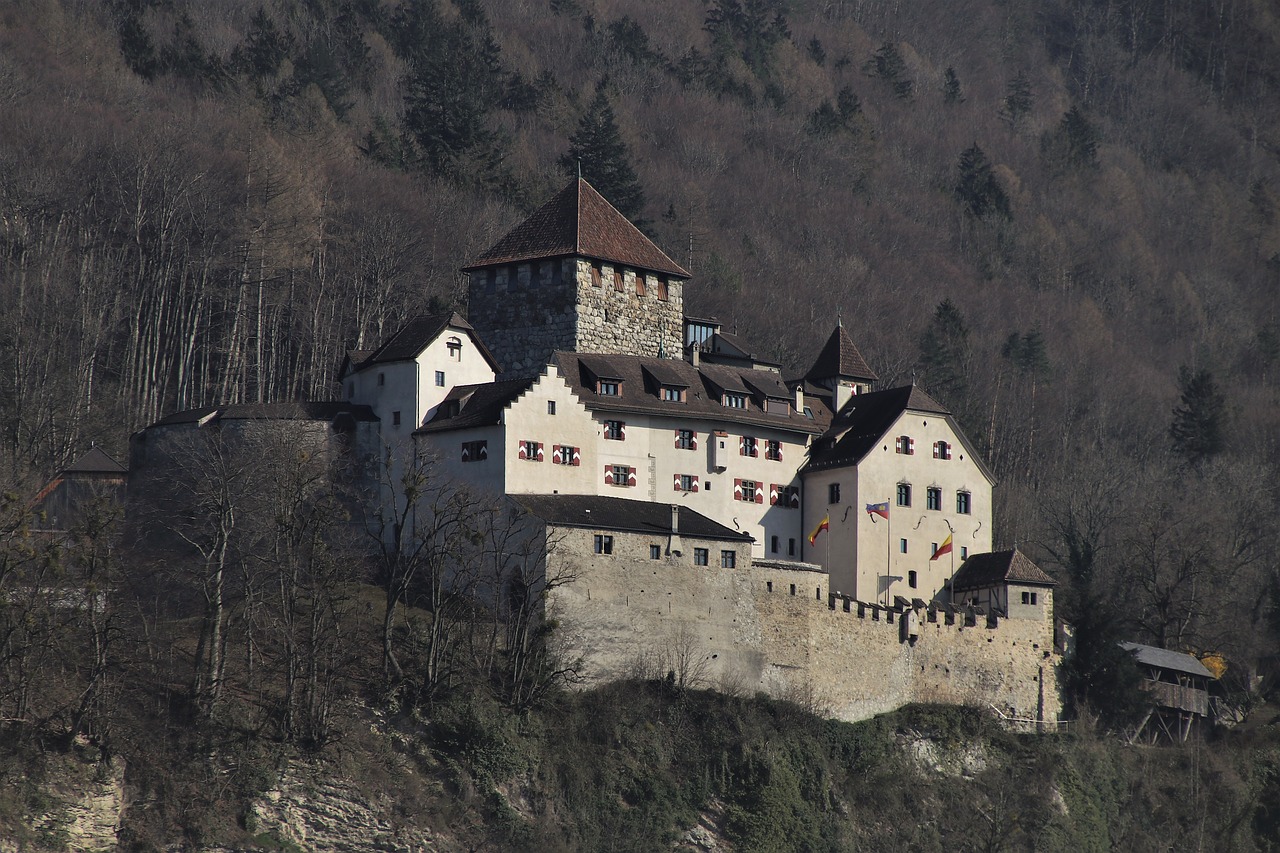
<point>693,349</point>
<point>800,398</point>
<point>674,546</point>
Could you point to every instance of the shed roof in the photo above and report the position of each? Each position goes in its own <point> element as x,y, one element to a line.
<point>478,405</point>
<point>578,221</point>
<point>1167,659</point>
<point>606,513</point>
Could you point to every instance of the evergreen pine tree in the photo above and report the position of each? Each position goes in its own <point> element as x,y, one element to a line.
<point>977,189</point>
<point>951,93</point>
<point>1199,421</point>
<point>598,146</point>
<point>1017,101</point>
<point>945,354</point>
<point>887,64</point>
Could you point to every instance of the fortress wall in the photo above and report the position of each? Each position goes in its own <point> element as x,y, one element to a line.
<point>728,628</point>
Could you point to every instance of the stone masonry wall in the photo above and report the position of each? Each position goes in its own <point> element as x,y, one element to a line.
<point>777,629</point>
<point>626,322</point>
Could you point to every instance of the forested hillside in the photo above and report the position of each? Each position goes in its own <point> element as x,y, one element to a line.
<point>1062,217</point>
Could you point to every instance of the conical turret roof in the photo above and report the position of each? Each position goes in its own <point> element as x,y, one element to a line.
<point>840,359</point>
<point>579,221</point>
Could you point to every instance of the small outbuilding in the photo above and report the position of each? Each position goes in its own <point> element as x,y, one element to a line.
<point>1178,685</point>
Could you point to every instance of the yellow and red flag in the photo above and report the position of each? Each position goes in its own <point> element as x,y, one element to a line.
<point>825,524</point>
<point>944,548</point>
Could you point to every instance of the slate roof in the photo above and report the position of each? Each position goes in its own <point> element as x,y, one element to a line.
<point>702,399</point>
<point>858,427</point>
<point>95,462</point>
<point>605,513</point>
<point>840,358</point>
<point>416,335</point>
<point>578,222</point>
<point>305,410</point>
<point>479,405</point>
<point>997,567</point>
<point>1167,659</point>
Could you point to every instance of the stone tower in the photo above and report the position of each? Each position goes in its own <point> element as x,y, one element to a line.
<point>575,275</point>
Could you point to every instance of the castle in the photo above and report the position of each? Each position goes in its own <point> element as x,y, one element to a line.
<point>786,533</point>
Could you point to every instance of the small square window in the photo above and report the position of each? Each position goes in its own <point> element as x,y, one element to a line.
<point>748,446</point>
<point>395,419</point>
<point>791,547</point>
<point>964,553</point>
<point>685,440</point>
<point>615,430</point>
<point>608,388</point>
<point>793,589</point>
<point>701,556</point>
<point>773,450</point>
<point>833,493</point>
<point>439,378</point>
<point>911,579</point>
<point>551,407</point>
<point>1026,598</point>
<point>768,585</point>
<point>604,544</point>
<point>688,482</point>
<point>728,559</point>
<point>655,552</point>
<point>621,475</point>
<point>672,394</point>
<point>902,546</point>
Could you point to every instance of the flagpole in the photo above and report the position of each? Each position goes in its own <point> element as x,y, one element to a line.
<point>888,555</point>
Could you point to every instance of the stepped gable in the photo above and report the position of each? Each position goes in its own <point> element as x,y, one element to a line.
<point>477,405</point>
<point>416,335</point>
<point>639,379</point>
<point>606,513</point>
<point>998,567</point>
<point>858,428</point>
<point>840,359</point>
<point>578,221</point>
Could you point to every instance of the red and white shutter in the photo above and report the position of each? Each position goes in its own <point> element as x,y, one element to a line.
<point>577,457</point>
<point>773,494</point>
<point>759,494</point>
<point>677,482</point>
<point>608,475</point>
<point>631,476</point>
<point>742,445</point>
<point>694,444</point>
<point>622,431</point>
<point>695,484</point>
<point>737,489</point>
<point>911,446</point>
<point>755,447</point>
<point>483,453</point>
<point>677,439</point>
<point>795,498</point>
<point>557,457</point>
<point>466,452</point>
<point>778,456</point>
<point>523,452</point>
<point>937,450</point>
<point>540,456</point>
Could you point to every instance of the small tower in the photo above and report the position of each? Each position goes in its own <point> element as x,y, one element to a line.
<point>841,369</point>
<point>575,275</point>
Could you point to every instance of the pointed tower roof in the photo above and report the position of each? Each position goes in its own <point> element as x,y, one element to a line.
<point>840,359</point>
<point>578,221</point>
<point>94,461</point>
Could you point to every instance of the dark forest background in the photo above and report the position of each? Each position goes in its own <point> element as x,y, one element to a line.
<point>1062,217</point>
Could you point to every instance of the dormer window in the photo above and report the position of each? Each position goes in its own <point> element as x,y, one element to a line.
<point>672,394</point>
<point>734,400</point>
<point>609,388</point>
<point>454,345</point>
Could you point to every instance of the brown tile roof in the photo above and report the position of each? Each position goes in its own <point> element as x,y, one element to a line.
<point>95,462</point>
<point>839,357</point>
<point>861,424</point>
<point>416,335</point>
<point>985,570</point>
<point>578,221</point>
<point>608,513</point>
<point>478,405</point>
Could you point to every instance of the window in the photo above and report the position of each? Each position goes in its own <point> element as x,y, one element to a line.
<point>620,475</point>
<point>395,419</point>
<point>905,444</point>
<point>902,546</point>
<point>911,579</point>
<point>963,503</point>
<point>773,450</point>
<point>617,279</point>
<point>833,493</point>
<point>734,400</point>
<point>773,544</point>
<point>933,498</point>
<point>475,451</point>
<point>728,559</point>
<point>639,284</point>
<point>904,494</point>
<point>615,430</point>
<point>787,497</point>
<point>595,276</point>
<point>530,450</point>
<point>551,407</point>
<point>748,490</point>
<point>662,290</point>
<point>768,585</point>
<point>941,450</point>
<point>793,589</point>
<point>439,378</point>
<point>964,553</point>
<point>1028,598</point>
<point>563,454</point>
<point>655,552</point>
<point>686,483</point>
<point>747,446</point>
<point>382,379</point>
<point>454,345</point>
<point>672,394</point>
<point>604,544</point>
<point>701,556</point>
<point>686,439</point>
<point>791,547</point>
<point>609,388</point>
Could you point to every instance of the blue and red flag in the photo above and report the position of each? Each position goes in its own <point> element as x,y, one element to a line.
<point>881,509</point>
